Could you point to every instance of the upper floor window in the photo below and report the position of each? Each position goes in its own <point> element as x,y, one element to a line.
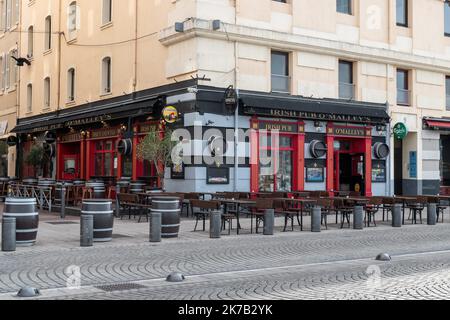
<point>447,92</point>
<point>280,72</point>
<point>344,6</point>
<point>2,73</point>
<point>403,92</point>
<point>71,85</point>
<point>107,11</point>
<point>106,75</point>
<point>447,18</point>
<point>48,33</point>
<point>346,85</point>
<point>29,97</point>
<point>402,13</point>
<point>47,88</point>
<point>12,78</point>
<point>30,42</point>
<point>72,17</point>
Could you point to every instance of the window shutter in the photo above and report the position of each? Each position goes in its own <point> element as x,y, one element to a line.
<point>7,70</point>
<point>16,11</point>
<point>3,17</point>
<point>8,14</point>
<point>2,75</point>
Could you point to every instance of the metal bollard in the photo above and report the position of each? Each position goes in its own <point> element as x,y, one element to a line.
<point>215,225</point>
<point>316,219</point>
<point>9,234</point>
<point>358,218</point>
<point>63,201</point>
<point>117,207</point>
<point>431,214</point>
<point>87,231</point>
<point>155,227</point>
<point>269,222</point>
<point>397,216</point>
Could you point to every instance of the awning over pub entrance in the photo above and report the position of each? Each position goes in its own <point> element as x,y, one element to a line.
<point>314,109</point>
<point>437,123</point>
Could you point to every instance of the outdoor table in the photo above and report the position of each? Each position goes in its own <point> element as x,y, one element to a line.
<point>238,204</point>
<point>302,202</point>
<point>404,200</point>
<point>356,201</point>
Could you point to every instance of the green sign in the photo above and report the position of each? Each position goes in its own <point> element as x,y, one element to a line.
<point>400,131</point>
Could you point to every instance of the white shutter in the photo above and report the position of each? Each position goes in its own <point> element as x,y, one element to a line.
<point>7,57</point>
<point>16,11</point>
<point>2,75</point>
<point>8,14</point>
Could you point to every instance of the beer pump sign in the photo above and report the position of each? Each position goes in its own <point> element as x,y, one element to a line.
<point>400,131</point>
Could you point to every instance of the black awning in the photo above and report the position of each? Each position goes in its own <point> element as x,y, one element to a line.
<point>314,109</point>
<point>83,115</point>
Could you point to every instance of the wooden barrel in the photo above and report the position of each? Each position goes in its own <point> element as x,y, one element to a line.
<point>27,219</point>
<point>46,182</point>
<point>98,188</point>
<point>137,187</point>
<point>101,210</point>
<point>30,181</point>
<point>58,188</point>
<point>169,207</point>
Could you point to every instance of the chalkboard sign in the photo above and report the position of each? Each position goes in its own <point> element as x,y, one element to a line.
<point>218,175</point>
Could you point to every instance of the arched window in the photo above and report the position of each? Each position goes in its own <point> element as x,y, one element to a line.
<point>30,41</point>
<point>29,97</point>
<point>107,11</point>
<point>72,17</point>
<point>71,85</point>
<point>48,33</point>
<point>47,92</point>
<point>106,75</point>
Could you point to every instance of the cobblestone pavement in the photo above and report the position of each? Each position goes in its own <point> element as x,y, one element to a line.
<point>334,264</point>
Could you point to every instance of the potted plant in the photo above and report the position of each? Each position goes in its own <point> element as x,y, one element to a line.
<point>157,148</point>
<point>34,158</point>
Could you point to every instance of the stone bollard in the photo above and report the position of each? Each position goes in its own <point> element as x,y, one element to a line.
<point>397,215</point>
<point>316,219</point>
<point>9,234</point>
<point>87,230</point>
<point>63,201</point>
<point>215,225</point>
<point>358,218</point>
<point>431,214</point>
<point>155,227</point>
<point>269,222</point>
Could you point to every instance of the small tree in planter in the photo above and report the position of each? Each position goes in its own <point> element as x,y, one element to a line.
<point>157,148</point>
<point>34,158</point>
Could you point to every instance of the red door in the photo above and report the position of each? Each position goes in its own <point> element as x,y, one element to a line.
<point>71,167</point>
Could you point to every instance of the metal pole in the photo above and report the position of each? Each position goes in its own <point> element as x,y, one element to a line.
<point>397,216</point>
<point>269,222</point>
<point>155,227</point>
<point>87,231</point>
<point>431,214</point>
<point>236,142</point>
<point>316,219</point>
<point>215,224</point>
<point>9,234</point>
<point>358,218</point>
<point>63,201</point>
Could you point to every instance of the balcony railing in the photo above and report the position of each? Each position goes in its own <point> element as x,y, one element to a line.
<point>281,83</point>
<point>403,97</point>
<point>346,91</point>
<point>447,102</point>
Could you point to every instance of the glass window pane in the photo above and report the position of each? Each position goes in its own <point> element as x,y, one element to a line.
<point>402,79</point>
<point>344,6</point>
<point>447,17</point>
<point>280,64</point>
<point>99,145</point>
<point>402,12</point>
<point>284,174</point>
<point>107,163</point>
<point>98,164</point>
<point>345,72</point>
<point>127,166</point>
<point>285,142</point>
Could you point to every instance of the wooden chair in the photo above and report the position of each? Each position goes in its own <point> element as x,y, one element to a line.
<point>326,206</point>
<point>440,207</point>
<point>341,207</point>
<point>187,197</point>
<point>416,207</point>
<point>371,209</point>
<point>289,214</point>
<point>201,209</point>
<point>259,211</point>
<point>388,207</point>
<point>131,203</point>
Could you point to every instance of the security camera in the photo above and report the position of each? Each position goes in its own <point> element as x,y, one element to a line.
<point>192,90</point>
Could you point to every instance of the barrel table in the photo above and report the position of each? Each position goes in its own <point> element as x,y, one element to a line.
<point>27,219</point>
<point>137,187</point>
<point>101,210</point>
<point>169,207</point>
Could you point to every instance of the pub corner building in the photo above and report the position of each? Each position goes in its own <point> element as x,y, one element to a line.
<point>324,144</point>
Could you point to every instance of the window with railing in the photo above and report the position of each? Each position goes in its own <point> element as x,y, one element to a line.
<point>403,91</point>
<point>346,85</point>
<point>280,72</point>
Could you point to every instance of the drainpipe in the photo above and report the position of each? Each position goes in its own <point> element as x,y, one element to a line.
<point>58,106</point>
<point>135,45</point>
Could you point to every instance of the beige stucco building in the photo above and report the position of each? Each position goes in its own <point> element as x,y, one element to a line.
<point>383,52</point>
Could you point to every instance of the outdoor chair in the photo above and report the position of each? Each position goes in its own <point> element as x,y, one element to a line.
<point>201,210</point>
<point>371,209</point>
<point>129,204</point>
<point>326,208</point>
<point>260,210</point>
<point>186,203</point>
<point>440,207</point>
<point>416,207</point>
<point>345,210</point>
<point>289,214</point>
<point>387,207</point>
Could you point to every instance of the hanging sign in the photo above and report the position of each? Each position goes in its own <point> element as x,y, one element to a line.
<point>400,131</point>
<point>170,114</point>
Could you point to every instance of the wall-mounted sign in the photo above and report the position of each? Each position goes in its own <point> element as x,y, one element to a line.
<point>381,150</point>
<point>50,137</point>
<point>73,137</point>
<point>170,114</point>
<point>315,174</point>
<point>104,133</point>
<point>230,97</point>
<point>88,120</point>
<point>216,175</point>
<point>11,141</point>
<point>318,148</point>
<point>146,128</point>
<point>281,127</point>
<point>400,131</point>
<point>413,164</point>
<point>349,131</point>
<point>125,147</point>
<point>379,172</point>
<point>177,171</point>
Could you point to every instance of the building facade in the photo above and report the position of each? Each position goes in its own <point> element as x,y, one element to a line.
<point>356,91</point>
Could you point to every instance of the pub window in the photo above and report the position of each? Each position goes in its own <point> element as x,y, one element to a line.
<point>107,11</point>
<point>29,98</point>
<point>346,85</point>
<point>30,42</point>
<point>402,13</point>
<point>403,92</point>
<point>280,72</point>
<point>72,18</point>
<point>105,158</point>
<point>447,18</point>
<point>71,85</point>
<point>106,75</point>
<point>48,33</point>
<point>447,92</point>
<point>344,6</point>
<point>47,87</point>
